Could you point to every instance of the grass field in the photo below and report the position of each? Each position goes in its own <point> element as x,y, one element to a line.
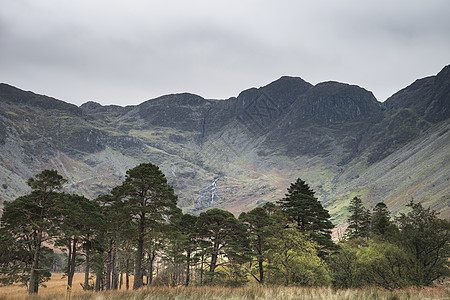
<point>56,289</point>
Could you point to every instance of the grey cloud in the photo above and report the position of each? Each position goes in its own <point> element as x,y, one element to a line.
<point>124,52</point>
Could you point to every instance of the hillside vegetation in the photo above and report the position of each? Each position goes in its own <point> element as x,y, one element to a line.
<point>136,236</point>
<point>239,153</point>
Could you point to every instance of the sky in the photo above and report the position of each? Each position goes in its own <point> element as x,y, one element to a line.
<point>125,52</point>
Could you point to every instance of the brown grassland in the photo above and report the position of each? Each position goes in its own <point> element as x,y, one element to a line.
<point>56,289</point>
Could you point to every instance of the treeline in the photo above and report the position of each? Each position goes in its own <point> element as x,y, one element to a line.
<point>138,230</point>
<point>411,249</point>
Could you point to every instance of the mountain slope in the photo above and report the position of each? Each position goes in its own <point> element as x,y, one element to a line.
<point>419,171</point>
<point>244,151</point>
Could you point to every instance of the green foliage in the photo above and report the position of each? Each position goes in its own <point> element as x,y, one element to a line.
<point>293,260</point>
<point>80,227</point>
<point>375,263</point>
<point>147,194</point>
<point>150,202</point>
<point>427,238</point>
<point>80,218</point>
<point>31,220</point>
<point>415,253</point>
<point>381,224</point>
<point>343,267</point>
<point>15,258</point>
<point>386,265</point>
<point>305,210</point>
<point>47,181</point>
<point>225,236</point>
<point>187,226</point>
<point>140,223</point>
<point>232,274</point>
<point>359,220</point>
<point>258,221</point>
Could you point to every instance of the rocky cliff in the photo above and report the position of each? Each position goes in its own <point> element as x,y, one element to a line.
<point>244,151</point>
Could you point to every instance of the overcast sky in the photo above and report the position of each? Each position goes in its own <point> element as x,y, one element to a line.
<point>125,52</point>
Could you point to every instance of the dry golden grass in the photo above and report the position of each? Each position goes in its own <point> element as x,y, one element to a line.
<point>56,289</point>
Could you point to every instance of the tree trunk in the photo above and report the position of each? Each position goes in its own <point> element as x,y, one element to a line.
<point>108,267</point>
<point>86,271</point>
<point>34,280</point>
<point>127,274</point>
<point>138,278</point>
<point>121,274</point>
<point>213,264</point>
<point>69,258</point>
<point>260,261</point>
<point>188,266</point>
<point>201,269</point>
<point>212,267</point>
<point>261,270</point>
<point>72,262</point>
<point>98,280</point>
<point>114,274</point>
<point>152,256</point>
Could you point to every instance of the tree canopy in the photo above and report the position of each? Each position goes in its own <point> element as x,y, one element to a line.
<point>359,220</point>
<point>308,214</point>
<point>137,229</point>
<point>150,201</point>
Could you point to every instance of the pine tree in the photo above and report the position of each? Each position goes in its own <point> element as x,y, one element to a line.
<point>381,223</point>
<point>427,239</point>
<point>225,235</point>
<point>188,228</point>
<point>30,219</point>
<point>150,201</point>
<point>305,210</point>
<point>80,224</point>
<point>120,234</point>
<point>359,220</point>
<point>258,222</point>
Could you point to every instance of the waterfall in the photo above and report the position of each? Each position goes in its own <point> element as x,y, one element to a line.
<point>213,188</point>
<point>208,195</point>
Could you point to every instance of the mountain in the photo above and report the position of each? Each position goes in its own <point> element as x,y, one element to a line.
<point>241,152</point>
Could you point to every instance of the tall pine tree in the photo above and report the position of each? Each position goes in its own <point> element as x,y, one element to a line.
<point>359,220</point>
<point>80,224</point>
<point>381,224</point>
<point>30,219</point>
<point>258,222</point>
<point>150,201</point>
<point>226,237</point>
<point>305,210</point>
<point>188,228</point>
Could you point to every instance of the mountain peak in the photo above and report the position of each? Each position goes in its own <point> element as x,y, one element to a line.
<point>287,86</point>
<point>9,93</point>
<point>427,97</point>
<point>332,102</point>
<point>253,145</point>
<point>90,105</point>
<point>177,98</point>
<point>335,87</point>
<point>289,80</point>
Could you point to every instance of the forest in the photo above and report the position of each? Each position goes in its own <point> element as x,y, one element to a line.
<point>137,236</point>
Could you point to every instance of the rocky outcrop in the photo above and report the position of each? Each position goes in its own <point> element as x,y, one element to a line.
<point>335,136</point>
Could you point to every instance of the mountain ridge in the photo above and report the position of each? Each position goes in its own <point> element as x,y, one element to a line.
<point>240,152</point>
